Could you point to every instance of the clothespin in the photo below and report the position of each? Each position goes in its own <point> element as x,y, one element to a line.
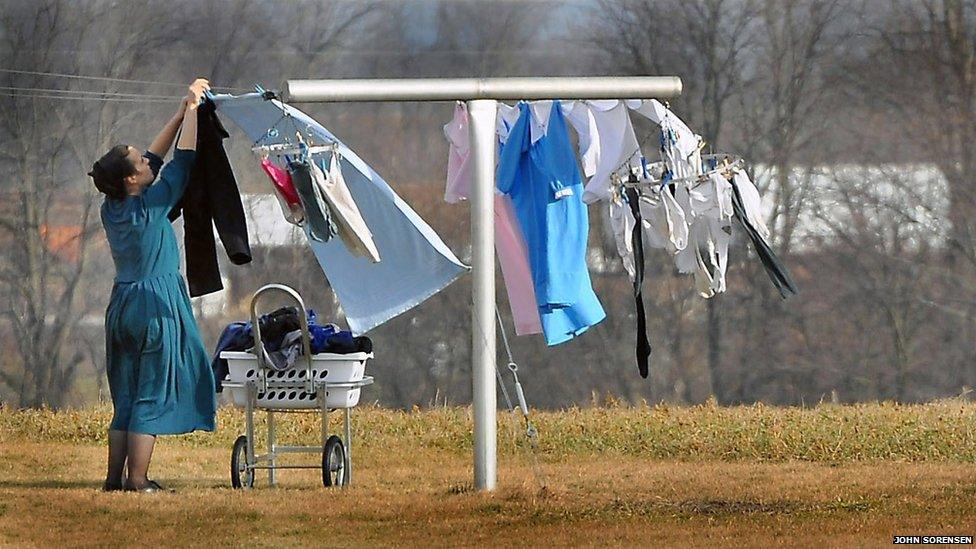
<point>302,147</point>
<point>267,95</point>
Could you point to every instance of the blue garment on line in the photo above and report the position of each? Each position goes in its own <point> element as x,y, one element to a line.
<point>544,183</point>
<point>416,263</point>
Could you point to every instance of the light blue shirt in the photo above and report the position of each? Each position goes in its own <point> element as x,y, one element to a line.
<point>544,183</point>
<point>415,264</point>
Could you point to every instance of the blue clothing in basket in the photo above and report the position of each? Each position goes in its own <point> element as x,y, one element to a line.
<point>158,370</point>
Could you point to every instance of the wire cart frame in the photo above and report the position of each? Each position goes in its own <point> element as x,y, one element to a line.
<point>336,463</point>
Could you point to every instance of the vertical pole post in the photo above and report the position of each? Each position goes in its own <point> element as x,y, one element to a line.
<point>481,113</point>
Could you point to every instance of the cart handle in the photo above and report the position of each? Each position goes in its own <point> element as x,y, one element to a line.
<point>303,322</point>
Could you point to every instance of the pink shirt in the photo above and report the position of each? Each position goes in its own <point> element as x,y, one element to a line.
<point>513,257</point>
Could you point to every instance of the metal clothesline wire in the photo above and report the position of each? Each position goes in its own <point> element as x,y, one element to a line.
<point>109,79</point>
<point>86,92</point>
<point>87,98</point>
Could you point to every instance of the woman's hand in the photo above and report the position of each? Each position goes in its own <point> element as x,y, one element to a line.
<point>195,93</point>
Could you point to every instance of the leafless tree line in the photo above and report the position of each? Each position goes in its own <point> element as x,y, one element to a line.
<point>836,104</point>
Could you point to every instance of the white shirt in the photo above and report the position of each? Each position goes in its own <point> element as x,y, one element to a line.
<point>618,146</point>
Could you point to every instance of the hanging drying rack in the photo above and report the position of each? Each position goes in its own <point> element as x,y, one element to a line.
<point>293,149</point>
<point>724,164</point>
<point>288,148</point>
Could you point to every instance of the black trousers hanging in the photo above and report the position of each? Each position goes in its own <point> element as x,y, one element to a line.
<point>637,242</point>
<point>211,199</point>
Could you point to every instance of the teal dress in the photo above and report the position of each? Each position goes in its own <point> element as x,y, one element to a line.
<point>158,371</point>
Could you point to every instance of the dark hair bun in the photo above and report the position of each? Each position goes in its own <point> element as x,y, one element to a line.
<point>110,171</point>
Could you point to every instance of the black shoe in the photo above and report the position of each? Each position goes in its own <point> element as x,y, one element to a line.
<point>108,487</point>
<point>150,486</point>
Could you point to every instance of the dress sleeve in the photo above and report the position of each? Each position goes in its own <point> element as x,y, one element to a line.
<point>162,195</point>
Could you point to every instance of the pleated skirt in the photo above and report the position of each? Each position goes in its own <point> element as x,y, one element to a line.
<point>158,370</point>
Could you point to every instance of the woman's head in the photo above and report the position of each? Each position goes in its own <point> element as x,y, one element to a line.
<point>121,171</point>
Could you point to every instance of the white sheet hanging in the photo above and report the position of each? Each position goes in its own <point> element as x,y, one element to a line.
<point>416,263</point>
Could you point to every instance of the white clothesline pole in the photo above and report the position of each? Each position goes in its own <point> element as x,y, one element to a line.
<point>481,95</point>
<point>481,113</point>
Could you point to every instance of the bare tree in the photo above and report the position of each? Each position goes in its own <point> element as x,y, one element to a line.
<point>884,230</point>
<point>919,69</point>
<point>52,141</point>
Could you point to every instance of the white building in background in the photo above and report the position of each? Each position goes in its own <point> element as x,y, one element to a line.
<point>915,197</point>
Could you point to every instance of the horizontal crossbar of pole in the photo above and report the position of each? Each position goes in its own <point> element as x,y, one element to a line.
<point>465,89</point>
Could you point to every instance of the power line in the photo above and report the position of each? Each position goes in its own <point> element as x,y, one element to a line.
<point>108,79</point>
<point>120,99</point>
<point>85,92</point>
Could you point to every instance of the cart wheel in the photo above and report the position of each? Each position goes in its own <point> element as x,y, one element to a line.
<point>240,475</point>
<point>334,462</point>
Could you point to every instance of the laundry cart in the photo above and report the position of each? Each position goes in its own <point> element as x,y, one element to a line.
<point>316,383</point>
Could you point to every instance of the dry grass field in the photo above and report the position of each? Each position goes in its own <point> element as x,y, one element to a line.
<point>610,476</point>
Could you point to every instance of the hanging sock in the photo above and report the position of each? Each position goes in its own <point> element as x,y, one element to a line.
<point>643,345</point>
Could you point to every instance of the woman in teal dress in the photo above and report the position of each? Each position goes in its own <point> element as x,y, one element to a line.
<point>158,370</point>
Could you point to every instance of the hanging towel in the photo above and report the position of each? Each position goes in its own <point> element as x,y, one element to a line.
<point>544,183</point>
<point>613,133</point>
<point>416,263</point>
<point>513,257</point>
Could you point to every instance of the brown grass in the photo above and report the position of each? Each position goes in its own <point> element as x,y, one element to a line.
<point>753,476</point>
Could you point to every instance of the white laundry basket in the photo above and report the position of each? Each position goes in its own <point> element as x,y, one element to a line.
<point>326,367</point>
